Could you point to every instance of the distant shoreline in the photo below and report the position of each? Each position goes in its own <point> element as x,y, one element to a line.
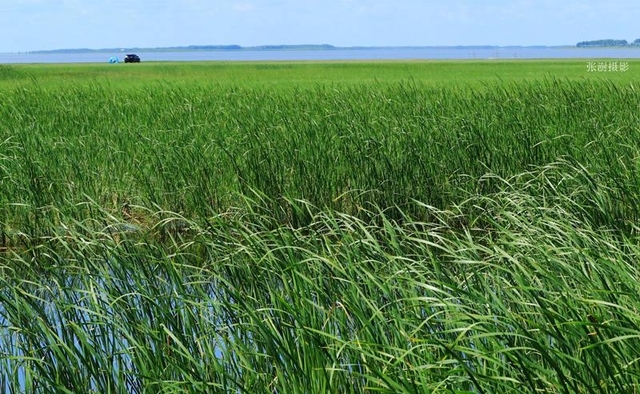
<point>310,47</point>
<point>238,48</point>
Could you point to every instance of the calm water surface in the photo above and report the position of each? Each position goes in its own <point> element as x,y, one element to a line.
<point>436,53</point>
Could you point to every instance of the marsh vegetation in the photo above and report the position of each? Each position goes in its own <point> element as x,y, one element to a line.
<point>377,235</point>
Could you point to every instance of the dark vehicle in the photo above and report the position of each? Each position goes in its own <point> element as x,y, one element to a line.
<point>131,58</point>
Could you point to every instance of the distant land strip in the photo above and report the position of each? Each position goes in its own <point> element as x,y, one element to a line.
<point>310,47</point>
<point>324,47</point>
<point>609,43</point>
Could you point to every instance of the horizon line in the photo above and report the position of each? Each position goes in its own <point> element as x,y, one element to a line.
<point>235,47</point>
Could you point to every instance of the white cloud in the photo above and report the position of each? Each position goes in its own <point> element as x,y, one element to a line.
<point>243,7</point>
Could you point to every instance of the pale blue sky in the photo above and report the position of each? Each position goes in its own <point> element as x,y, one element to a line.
<point>27,25</point>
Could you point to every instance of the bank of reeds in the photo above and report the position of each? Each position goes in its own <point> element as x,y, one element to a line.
<point>385,238</point>
<point>195,148</point>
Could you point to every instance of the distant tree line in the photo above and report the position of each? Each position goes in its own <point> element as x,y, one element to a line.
<point>608,43</point>
<point>194,48</point>
<point>211,47</point>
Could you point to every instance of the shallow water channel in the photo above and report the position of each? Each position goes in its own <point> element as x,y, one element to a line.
<point>96,328</point>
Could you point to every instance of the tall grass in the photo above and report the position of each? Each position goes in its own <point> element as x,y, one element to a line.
<point>376,237</point>
<point>194,148</point>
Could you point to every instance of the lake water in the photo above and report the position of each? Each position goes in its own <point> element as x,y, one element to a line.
<point>435,53</point>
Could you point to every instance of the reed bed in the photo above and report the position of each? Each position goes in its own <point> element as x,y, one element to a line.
<point>378,237</point>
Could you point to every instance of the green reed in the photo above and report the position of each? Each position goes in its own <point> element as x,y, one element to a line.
<point>194,149</point>
<point>536,299</point>
<point>390,237</point>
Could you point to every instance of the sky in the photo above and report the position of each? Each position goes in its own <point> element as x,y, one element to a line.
<point>28,25</point>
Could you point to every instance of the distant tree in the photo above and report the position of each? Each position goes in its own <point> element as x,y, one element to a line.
<point>603,43</point>
<point>214,47</point>
<point>636,42</point>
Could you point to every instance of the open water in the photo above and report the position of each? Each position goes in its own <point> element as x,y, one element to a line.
<point>408,53</point>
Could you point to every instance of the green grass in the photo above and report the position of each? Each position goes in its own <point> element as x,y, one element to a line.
<point>309,74</point>
<point>319,227</point>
